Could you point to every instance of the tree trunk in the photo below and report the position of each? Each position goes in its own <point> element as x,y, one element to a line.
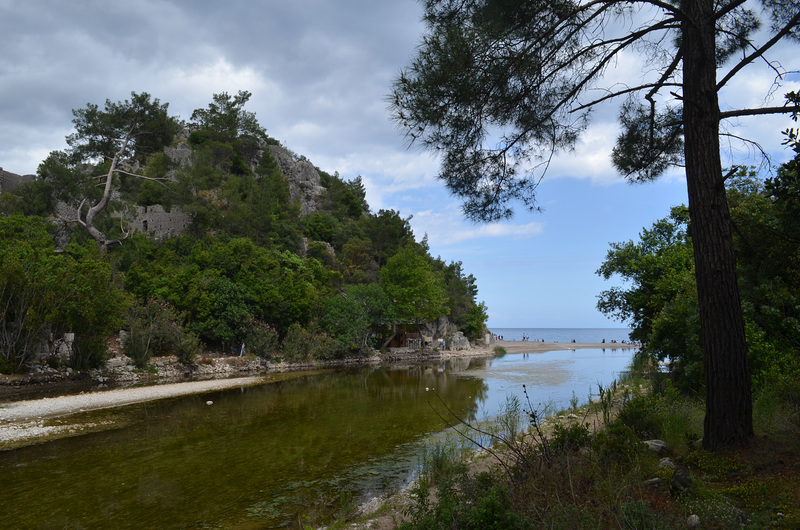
<point>729,412</point>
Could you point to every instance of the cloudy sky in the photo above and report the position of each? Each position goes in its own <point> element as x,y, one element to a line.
<point>320,72</point>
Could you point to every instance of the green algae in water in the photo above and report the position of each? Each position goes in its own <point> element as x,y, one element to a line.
<point>286,454</point>
<point>264,456</point>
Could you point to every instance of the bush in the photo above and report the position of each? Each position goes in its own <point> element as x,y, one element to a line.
<point>155,329</point>
<point>570,438</point>
<point>617,444</point>
<point>465,501</point>
<point>304,344</point>
<point>641,415</point>
<point>262,339</point>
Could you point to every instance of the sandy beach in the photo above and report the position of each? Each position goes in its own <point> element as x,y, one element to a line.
<point>31,421</point>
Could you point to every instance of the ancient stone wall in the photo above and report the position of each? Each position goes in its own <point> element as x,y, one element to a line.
<point>9,181</point>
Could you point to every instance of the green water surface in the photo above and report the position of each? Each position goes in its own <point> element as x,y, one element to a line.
<point>282,454</point>
<point>288,453</point>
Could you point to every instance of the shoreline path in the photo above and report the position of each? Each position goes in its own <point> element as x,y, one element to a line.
<point>27,422</point>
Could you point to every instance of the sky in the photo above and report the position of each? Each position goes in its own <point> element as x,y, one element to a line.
<point>320,72</point>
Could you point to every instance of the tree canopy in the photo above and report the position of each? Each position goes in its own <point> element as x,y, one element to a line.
<point>248,266</point>
<point>499,87</point>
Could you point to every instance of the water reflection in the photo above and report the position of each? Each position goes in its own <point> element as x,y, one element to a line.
<point>259,454</point>
<point>266,456</point>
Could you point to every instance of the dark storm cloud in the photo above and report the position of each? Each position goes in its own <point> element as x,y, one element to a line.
<point>318,70</point>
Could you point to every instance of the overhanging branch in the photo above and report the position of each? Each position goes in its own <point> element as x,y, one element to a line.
<point>786,109</point>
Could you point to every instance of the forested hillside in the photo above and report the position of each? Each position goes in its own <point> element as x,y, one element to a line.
<point>208,233</point>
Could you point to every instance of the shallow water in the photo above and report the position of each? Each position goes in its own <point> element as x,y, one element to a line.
<point>276,455</point>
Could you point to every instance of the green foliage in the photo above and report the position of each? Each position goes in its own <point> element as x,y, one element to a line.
<point>570,438</point>
<point>250,267</point>
<point>45,294</point>
<point>227,117</point>
<point>388,232</point>
<point>31,281</point>
<point>416,291</point>
<point>356,317</point>
<point>649,143</point>
<point>475,324</point>
<point>305,344</point>
<point>617,444</point>
<point>155,328</point>
<point>64,181</point>
<point>262,339</point>
<point>654,268</point>
<point>640,414</point>
<point>466,502</point>
<point>98,133</point>
<point>93,306</point>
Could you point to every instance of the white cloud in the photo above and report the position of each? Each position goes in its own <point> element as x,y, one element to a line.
<point>448,227</point>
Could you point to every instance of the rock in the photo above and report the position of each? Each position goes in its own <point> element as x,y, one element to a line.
<point>666,463</point>
<point>693,521</point>
<point>305,184</point>
<point>458,342</point>
<point>209,402</point>
<point>652,482</point>
<point>681,481</point>
<point>659,447</point>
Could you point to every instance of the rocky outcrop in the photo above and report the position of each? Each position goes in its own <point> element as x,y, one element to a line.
<point>444,329</point>
<point>305,185</point>
<point>458,342</point>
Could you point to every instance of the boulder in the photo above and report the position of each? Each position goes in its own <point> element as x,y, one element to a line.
<point>659,447</point>
<point>681,481</point>
<point>458,342</point>
<point>666,463</point>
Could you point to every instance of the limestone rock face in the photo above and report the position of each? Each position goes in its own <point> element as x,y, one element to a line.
<point>181,154</point>
<point>458,342</point>
<point>305,185</point>
<point>439,328</point>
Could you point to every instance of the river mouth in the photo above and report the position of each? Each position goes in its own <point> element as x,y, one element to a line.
<point>283,454</point>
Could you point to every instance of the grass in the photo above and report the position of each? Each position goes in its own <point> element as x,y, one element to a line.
<point>595,472</point>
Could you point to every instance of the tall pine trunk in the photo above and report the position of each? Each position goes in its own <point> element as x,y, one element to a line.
<point>729,411</point>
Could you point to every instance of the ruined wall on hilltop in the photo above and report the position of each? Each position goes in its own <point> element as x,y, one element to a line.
<point>10,181</point>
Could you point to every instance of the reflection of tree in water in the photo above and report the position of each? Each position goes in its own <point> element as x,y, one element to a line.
<point>287,438</point>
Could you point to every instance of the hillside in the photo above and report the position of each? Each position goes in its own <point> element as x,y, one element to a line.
<point>210,233</point>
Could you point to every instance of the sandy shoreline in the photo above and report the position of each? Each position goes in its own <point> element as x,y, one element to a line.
<point>29,421</point>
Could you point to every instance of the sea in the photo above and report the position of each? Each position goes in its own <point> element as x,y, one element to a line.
<point>565,334</point>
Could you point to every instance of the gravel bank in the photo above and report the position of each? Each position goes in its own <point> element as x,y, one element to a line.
<point>25,422</point>
<point>31,421</point>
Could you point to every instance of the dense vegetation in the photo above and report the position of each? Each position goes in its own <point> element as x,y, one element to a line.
<point>250,268</point>
<point>593,470</point>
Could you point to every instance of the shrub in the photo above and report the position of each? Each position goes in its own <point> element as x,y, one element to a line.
<point>465,501</point>
<point>262,339</point>
<point>617,444</point>
<point>303,344</point>
<point>570,438</point>
<point>155,329</point>
<point>641,415</point>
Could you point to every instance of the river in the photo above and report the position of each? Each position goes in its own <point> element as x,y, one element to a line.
<point>283,454</point>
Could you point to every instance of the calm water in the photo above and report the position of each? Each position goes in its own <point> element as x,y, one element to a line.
<point>280,454</point>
